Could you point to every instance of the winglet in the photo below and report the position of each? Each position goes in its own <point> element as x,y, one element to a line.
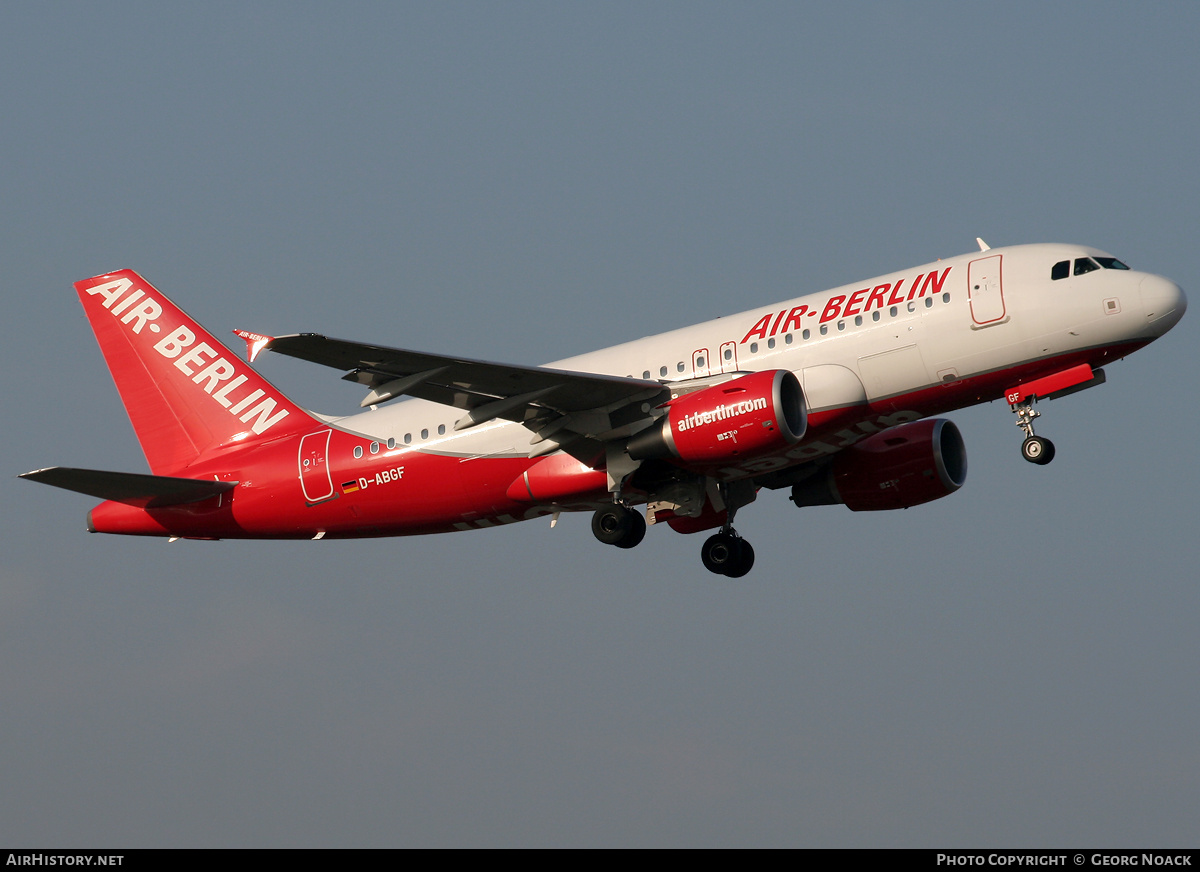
<point>255,342</point>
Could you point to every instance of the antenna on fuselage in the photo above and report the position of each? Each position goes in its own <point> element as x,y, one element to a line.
<point>983,246</point>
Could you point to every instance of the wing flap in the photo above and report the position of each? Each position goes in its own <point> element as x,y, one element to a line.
<point>134,489</point>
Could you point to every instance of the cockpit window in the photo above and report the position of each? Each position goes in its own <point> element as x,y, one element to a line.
<point>1084,265</point>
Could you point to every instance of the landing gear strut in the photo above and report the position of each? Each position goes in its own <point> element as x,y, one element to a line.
<point>618,525</point>
<point>727,553</point>
<point>1035,449</point>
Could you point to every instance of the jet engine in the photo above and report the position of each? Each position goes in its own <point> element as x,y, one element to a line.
<point>902,466</point>
<point>745,417</point>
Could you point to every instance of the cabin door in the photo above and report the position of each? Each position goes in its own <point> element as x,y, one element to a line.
<point>985,290</point>
<point>315,480</point>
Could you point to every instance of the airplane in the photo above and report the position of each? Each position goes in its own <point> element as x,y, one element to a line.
<point>830,395</point>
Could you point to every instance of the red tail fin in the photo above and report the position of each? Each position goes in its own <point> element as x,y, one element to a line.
<point>185,393</point>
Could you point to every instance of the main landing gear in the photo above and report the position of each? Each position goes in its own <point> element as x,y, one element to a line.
<point>618,525</point>
<point>727,554</point>
<point>1035,449</point>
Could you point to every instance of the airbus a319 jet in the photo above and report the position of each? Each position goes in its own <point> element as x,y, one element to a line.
<point>829,395</point>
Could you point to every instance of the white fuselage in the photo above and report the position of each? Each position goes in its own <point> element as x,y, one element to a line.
<point>861,344</point>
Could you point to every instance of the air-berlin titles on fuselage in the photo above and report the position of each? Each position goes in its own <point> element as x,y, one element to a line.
<point>202,363</point>
<point>839,305</point>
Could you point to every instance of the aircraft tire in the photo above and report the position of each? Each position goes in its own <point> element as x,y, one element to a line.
<point>1037,450</point>
<point>636,533</point>
<point>721,553</point>
<point>617,525</point>
<point>745,561</point>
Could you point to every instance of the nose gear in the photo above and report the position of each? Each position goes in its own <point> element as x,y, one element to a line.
<point>1035,449</point>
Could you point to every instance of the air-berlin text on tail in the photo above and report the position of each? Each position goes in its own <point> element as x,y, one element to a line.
<point>845,306</point>
<point>199,361</point>
<point>720,413</point>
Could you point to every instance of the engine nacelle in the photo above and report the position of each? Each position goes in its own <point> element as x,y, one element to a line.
<point>745,417</point>
<point>902,466</point>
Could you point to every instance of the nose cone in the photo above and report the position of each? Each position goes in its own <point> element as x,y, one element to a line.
<point>1163,302</point>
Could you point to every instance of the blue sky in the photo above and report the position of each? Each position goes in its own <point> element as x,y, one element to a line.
<point>1013,665</point>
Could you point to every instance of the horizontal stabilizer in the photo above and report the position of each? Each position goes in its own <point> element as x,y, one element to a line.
<point>143,491</point>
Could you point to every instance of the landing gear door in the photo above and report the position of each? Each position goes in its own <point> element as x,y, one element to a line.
<point>985,290</point>
<point>315,480</point>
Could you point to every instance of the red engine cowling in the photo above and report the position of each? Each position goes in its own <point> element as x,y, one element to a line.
<point>745,417</point>
<point>900,467</point>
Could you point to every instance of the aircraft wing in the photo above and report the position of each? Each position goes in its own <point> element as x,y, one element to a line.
<point>599,407</point>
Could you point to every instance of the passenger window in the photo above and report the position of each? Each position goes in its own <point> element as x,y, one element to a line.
<point>787,339</point>
<point>1084,265</point>
<point>729,354</point>
<point>824,329</point>
<point>374,447</point>
<point>945,298</point>
<point>807,333</point>
<point>754,348</point>
<point>875,315</point>
<point>858,320</point>
<point>893,311</point>
<point>662,371</point>
<point>391,442</point>
<point>770,343</point>
<point>679,366</point>
<point>407,438</point>
<point>424,434</point>
<point>442,427</point>
<point>357,451</point>
<point>1060,270</point>
<point>929,302</point>
<point>646,374</point>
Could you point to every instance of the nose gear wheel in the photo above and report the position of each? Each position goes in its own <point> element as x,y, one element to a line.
<point>1035,449</point>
